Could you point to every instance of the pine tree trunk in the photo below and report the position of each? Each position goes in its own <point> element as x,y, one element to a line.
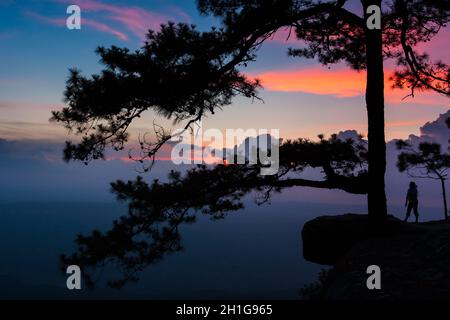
<point>444,195</point>
<point>376,198</point>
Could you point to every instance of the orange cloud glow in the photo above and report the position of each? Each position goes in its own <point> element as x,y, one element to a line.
<point>316,80</point>
<point>342,83</point>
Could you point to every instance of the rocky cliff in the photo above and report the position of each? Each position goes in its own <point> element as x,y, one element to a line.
<point>414,258</point>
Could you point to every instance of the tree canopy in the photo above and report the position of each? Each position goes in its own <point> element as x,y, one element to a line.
<point>184,74</point>
<point>156,210</point>
<point>206,67</point>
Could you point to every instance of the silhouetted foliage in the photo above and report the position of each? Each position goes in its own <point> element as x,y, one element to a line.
<point>150,230</point>
<point>411,23</point>
<point>184,74</point>
<point>425,161</point>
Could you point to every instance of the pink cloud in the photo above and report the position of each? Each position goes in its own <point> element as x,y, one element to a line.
<point>362,126</point>
<point>105,28</point>
<point>339,82</point>
<point>439,47</point>
<point>411,123</point>
<point>88,22</point>
<point>135,19</point>
<point>317,80</point>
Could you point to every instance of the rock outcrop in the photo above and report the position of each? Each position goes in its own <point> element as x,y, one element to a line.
<point>414,258</point>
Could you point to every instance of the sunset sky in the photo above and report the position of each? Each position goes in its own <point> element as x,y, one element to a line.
<point>301,97</point>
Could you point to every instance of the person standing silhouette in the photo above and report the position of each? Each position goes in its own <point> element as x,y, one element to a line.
<point>412,201</point>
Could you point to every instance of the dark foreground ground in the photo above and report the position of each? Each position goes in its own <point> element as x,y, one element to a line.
<point>414,258</point>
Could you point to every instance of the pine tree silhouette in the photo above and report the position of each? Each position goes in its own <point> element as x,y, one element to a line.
<point>184,74</point>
